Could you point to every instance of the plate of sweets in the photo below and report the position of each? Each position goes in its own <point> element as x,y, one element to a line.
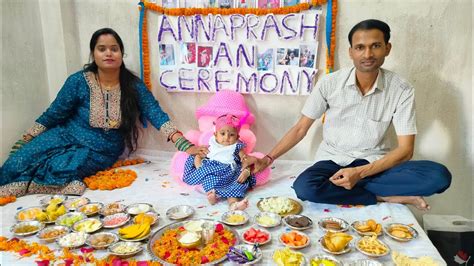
<point>367,228</point>
<point>115,220</point>
<point>324,260</point>
<point>256,236</point>
<point>336,243</point>
<point>112,208</point>
<point>75,203</point>
<point>267,219</point>
<point>280,205</point>
<point>333,224</point>
<point>245,254</point>
<point>298,222</point>
<point>372,247</point>
<point>401,232</point>
<point>50,234</point>
<point>28,214</point>
<point>101,240</point>
<point>295,239</point>
<point>235,217</point>
<point>286,256</point>
<point>169,245</point>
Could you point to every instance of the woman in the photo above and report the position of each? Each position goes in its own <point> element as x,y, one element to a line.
<point>86,128</point>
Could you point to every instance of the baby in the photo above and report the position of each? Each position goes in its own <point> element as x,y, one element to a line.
<point>220,173</point>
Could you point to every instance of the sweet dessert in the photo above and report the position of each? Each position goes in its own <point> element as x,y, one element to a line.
<point>115,220</point>
<point>112,208</point>
<point>278,205</point>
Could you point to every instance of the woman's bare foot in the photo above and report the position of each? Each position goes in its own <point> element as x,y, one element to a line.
<point>211,197</point>
<point>238,205</point>
<point>417,201</point>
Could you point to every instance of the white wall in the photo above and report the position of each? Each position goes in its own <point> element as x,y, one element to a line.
<point>431,48</point>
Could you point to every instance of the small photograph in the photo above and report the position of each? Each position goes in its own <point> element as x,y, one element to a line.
<point>204,54</point>
<point>245,3</point>
<point>169,3</point>
<point>224,3</point>
<point>268,3</point>
<point>282,57</point>
<point>188,53</point>
<point>166,55</point>
<point>265,60</point>
<point>290,2</point>
<point>308,55</point>
<point>293,55</point>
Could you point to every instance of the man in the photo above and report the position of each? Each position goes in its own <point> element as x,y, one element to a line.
<point>354,162</point>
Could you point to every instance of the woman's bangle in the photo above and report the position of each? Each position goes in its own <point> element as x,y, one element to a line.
<point>170,138</point>
<point>269,157</point>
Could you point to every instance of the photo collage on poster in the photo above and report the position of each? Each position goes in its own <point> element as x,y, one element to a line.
<point>228,3</point>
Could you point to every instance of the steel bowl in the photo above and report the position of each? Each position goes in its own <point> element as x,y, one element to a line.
<point>364,262</point>
<point>260,244</point>
<point>79,239</point>
<point>295,247</point>
<point>76,225</point>
<point>34,225</point>
<point>73,204</point>
<point>273,216</point>
<point>35,209</point>
<point>317,257</point>
<point>345,250</point>
<point>138,208</point>
<point>154,215</point>
<point>94,237</point>
<point>388,230</point>
<point>227,215</point>
<point>251,248</point>
<point>342,223</point>
<point>62,218</point>
<point>106,219</point>
<point>303,261</point>
<point>61,228</point>
<point>134,248</point>
<point>112,208</point>
<point>46,200</point>
<point>287,220</point>
<point>193,244</point>
<point>179,212</point>
<point>86,208</point>
<point>369,233</point>
<point>372,254</point>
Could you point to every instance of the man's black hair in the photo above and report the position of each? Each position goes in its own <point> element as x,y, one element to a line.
<point>371,24</point>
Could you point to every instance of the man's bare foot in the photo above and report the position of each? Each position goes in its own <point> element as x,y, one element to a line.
<point>417,201</point>
<point>211,197</point>
<point>239,205</point>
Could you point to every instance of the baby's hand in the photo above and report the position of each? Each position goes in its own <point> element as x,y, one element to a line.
<point>244,174</point>
<point>247,161</point>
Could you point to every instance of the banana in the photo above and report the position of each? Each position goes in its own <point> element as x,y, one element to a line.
<point>145,232</point>
<point>131,231</point>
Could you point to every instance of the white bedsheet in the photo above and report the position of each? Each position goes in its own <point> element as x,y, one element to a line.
<point>155,186</point>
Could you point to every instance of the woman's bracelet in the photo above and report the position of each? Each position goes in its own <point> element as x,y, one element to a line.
<point>182,144</point>
<point>269,157</point>
<point>170,138</point>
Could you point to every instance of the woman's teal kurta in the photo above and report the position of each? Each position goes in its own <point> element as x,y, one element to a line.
<point>57,160</point>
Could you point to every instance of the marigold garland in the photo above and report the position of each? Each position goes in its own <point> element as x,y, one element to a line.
<point>5,200</point>
<point>113,178</point>
<point>229,11</point>
<point>45,256</point>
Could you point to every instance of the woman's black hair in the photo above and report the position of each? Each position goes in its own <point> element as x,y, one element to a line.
<point>128,94</point>
<point>371,24</point>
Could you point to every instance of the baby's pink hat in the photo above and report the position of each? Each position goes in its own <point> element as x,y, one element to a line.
<point>226,102</point>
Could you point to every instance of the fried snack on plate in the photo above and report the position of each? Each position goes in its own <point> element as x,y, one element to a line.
<point>371,246</point>
<point>402,260</point>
